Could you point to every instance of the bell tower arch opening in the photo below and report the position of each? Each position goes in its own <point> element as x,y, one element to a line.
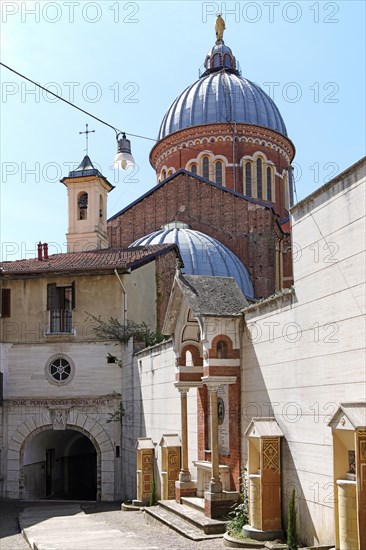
<point>60,465</point>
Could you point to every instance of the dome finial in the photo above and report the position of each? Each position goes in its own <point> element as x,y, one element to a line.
<point>219,28</point>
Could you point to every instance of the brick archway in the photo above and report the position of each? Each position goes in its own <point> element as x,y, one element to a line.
<point>196,356</point>
<point>77,421</point>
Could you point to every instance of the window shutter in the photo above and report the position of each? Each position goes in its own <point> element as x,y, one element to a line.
<point>51,296</point>
<point>5,302</point>
<point>73,295</point>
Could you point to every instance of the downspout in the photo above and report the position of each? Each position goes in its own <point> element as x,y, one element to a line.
<point>118,426</point>
<point>124,296</point>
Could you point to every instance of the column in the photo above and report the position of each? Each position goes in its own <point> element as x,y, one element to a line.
<point>184,474</point>
<point>215,483</point>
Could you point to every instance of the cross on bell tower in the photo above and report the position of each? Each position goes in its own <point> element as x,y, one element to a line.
<point>87,132</point>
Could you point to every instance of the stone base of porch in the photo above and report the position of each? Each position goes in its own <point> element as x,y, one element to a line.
<point>219,504</point>
<point>140,503</point>
<point>257,534</point>
<point>185,489</point>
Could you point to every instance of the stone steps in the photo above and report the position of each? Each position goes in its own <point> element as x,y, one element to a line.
<point>195,502</point>
<point>186,520</point>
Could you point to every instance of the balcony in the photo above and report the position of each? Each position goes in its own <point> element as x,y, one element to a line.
<point>60,321</point>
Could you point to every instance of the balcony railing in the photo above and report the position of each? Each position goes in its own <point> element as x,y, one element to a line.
<point>60,320</point>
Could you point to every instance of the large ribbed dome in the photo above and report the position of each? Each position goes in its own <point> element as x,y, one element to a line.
<point>222,97</point>
<point>221,94</point>
<point>201,254</point>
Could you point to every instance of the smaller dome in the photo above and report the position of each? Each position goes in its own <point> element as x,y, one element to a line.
<point>220,57</point>
<point>201,254</point>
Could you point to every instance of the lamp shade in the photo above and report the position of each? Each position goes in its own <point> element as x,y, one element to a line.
<point>124,159</point>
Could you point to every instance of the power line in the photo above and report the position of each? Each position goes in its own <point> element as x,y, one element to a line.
<point>73,104</point>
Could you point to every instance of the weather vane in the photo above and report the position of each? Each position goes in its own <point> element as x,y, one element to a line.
<point>87,132</point>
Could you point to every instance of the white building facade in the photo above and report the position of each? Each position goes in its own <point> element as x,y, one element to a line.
<point>303,363</point>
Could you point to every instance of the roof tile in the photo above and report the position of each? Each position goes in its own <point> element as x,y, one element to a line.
<point>108,258</point>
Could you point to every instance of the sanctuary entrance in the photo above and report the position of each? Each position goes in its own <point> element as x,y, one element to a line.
<point>60,465</point>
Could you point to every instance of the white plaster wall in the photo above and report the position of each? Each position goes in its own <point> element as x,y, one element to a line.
<point>25,383</point>
<point>24,370</point>
<point>305,354</point>
<point>152,406</point>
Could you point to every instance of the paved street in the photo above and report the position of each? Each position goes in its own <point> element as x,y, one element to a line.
<point>10,537</point>
<point>96,527</point>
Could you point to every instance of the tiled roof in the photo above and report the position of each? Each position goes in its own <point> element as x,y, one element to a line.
<point>109,258</point>
<point>218,296</point>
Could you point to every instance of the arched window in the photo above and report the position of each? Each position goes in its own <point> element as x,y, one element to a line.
<point>216,61</point>
<point>227,60</point>
<point>248,179</point>
<point>83,206</point>
<point>193,168</point>
<point>189,359</point>
<point>163,175</point>
<point>259,179</point>
<point>205,167</point>
<point>218,170</point>
<point>221,349</point>
<point>269,184</point>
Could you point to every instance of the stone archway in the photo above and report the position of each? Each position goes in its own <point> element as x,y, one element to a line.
<point>59,464</point>
<point>73,420</point>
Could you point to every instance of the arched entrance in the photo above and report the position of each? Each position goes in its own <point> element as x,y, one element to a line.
<point>60,465</point>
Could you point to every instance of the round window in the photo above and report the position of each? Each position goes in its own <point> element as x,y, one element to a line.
<point>59,369</point>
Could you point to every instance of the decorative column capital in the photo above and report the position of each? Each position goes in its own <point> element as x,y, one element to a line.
<point>213,388</point>
<point>213,383</point>
<point>184,387</point>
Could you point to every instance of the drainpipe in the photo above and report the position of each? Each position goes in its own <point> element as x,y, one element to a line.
<point>124,295</point>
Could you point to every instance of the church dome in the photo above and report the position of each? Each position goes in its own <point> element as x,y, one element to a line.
<point>221,95</point>
<point>201,254</point>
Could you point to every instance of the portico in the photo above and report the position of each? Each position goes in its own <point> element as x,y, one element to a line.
<point>206,342</point>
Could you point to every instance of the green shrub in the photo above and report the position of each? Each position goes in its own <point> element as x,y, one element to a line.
<point>153,498</point>
<point>240,513</point>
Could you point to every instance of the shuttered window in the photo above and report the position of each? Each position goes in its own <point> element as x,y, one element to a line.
<point>61,297</point>
<point>5,302</point>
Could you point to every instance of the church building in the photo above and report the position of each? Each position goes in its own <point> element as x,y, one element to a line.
<point>260,365</point>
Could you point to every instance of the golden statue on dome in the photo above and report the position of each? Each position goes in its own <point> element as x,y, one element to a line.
<point>219,28</point>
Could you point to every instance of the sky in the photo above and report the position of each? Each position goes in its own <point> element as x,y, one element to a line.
<point>125,62</point>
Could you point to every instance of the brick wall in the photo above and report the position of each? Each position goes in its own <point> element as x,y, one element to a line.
<point>245,228</point>
<point>165,271</point>
<point>178,149</point>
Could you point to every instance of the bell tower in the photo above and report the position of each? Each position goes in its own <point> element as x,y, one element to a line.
<point>87,192</point>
